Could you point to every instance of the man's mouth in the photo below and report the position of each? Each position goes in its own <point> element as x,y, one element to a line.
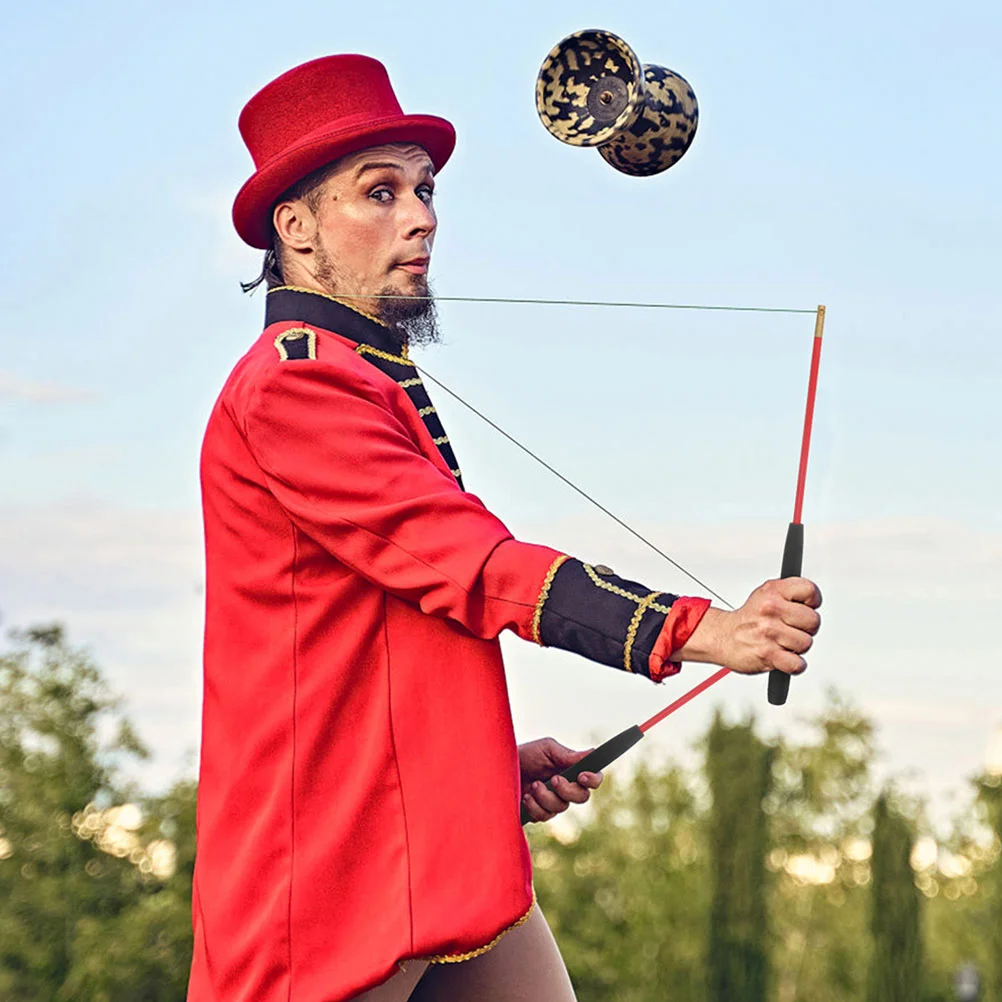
<point>415,266</point>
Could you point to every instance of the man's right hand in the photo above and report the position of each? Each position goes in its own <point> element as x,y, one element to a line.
<point>774,627</point>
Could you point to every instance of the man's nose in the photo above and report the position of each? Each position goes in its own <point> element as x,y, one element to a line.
<point>421,219</point>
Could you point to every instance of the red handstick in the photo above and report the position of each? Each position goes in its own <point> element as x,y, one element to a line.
<point>793,551</point>
<point>682,700</point>
<point>779,682</point>
<point>812,387</point>
<point>805,448</point>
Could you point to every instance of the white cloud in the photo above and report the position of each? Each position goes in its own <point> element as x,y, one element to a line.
<point>13,387</point>
<point>909,633</point>
<point>910,608</point>
<point>127,584</point>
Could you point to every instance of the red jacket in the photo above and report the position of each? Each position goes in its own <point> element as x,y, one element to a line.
<point>353,676</point>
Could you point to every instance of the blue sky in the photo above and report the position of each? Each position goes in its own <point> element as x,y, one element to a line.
<point>846,155</point>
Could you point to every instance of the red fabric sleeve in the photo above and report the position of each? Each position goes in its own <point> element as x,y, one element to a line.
<point>679,625</point>
<point>344,465</point>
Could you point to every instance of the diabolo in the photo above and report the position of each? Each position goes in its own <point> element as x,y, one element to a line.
<point>592,90</point>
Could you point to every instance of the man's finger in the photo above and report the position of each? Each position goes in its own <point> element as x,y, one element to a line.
<point>801,617</point>
<point>792,664</point>
<point>535,812</point>
<point>572,792</point>
<point>547,799</point>
<point>563,757</point>
<point>800,590</point>
<point>793,640</point>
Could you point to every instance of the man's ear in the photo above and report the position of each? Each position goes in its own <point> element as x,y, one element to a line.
<point>295,224</point>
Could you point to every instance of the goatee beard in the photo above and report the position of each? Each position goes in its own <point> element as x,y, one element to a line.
<point>412,318</point>
<point>412,322</point>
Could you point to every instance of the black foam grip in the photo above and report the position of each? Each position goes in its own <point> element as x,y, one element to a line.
<point>598,759</point>
<point>793,562</point>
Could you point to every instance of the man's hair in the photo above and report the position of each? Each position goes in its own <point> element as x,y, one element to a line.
<point>307,190</point>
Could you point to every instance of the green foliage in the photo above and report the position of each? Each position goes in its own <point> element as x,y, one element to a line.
<point>674,883</point>
<point>739,768</point>
<point>819,808</point>
<point>628,884</point>
<point>88,911</point>
<point>896,964</point>
<point>627,893</point>
<point>990,798</point>
<point>823,791</point>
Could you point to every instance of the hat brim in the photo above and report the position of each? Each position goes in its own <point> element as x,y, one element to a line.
<point>255,200</point>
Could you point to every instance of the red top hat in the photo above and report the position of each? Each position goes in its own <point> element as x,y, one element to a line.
<point>314,114</point>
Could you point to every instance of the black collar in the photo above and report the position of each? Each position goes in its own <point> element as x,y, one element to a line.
<point>318,310</point>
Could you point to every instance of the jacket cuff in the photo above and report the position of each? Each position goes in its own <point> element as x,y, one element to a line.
<point>679,625</point>
<point>590,610</point>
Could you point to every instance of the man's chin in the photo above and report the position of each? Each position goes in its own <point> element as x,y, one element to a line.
<point>403,300</point>
<point>409,311</point>
<point>412,286</point>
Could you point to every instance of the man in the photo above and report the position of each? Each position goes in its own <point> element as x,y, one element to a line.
<point>360,786</point>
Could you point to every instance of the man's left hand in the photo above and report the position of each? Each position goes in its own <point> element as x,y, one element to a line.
<point>544,760</point>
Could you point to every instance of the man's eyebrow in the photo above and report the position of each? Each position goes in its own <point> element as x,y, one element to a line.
<point>384,165</point>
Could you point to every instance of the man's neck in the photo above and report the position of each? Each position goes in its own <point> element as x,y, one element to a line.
<point>297,277</point>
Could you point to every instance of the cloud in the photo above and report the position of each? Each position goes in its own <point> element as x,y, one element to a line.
<point>910,608</point>
<point>909,633</point>
<point>13,387</point>
<point>128,585</point>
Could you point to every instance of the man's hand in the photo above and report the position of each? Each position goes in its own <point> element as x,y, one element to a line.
<point>544,760</point>
<point>774,627</point>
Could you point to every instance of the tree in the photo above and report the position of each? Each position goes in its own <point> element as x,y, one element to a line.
<point>990,797</point>
<point>739,768</point>
<point>91,893</point>
<point>820,809</point>
<point>626,889</point>
<point>656,890</point>
<point>896,965</point>
<point>626,884</point>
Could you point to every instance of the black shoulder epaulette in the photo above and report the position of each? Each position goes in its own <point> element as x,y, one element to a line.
<point>296,343</point>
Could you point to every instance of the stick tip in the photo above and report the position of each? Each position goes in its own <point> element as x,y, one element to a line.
<point>819,323</point>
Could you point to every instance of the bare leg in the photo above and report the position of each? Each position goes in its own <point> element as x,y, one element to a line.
<point>525,966</point>
<point>399,987</point>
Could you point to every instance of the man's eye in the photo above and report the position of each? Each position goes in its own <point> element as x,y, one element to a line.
<point>381,194</point>
<point>425,193</point>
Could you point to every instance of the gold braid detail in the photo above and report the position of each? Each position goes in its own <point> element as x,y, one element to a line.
<point>457,958</point>
<point>364,349</point>
<point>297,334</point>
<point>622,592</point>
<point>631,633</point>
<point>406,384</point>
<point>544,594</point>
<point>324,295</point>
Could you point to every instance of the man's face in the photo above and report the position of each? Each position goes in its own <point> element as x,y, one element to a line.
<point>376,225</point>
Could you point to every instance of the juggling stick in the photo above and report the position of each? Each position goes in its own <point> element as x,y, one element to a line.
<point>608,752</point>
<point>793,551</point>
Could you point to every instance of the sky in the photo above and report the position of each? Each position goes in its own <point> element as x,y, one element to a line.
<point>846,154</point>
